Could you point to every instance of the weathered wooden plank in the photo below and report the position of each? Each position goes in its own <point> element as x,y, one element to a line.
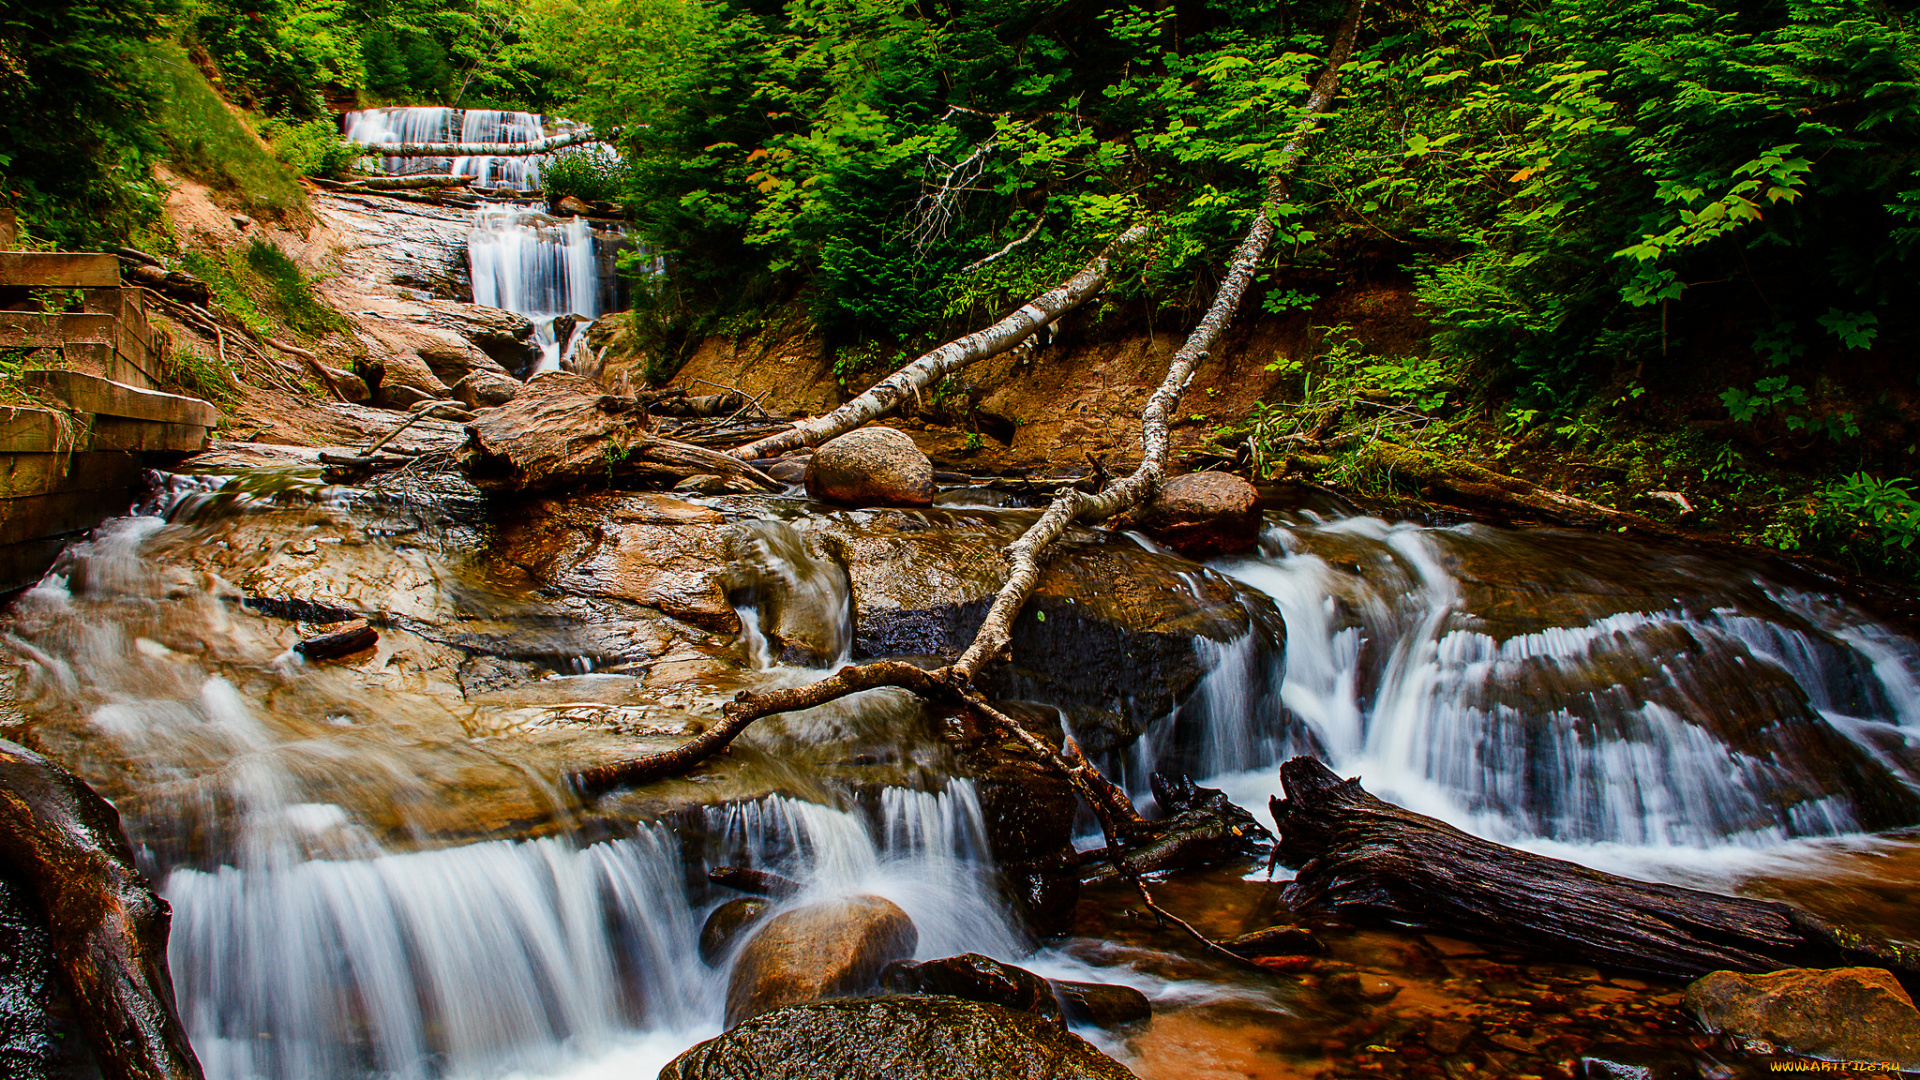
<point>59,269</point>
<point>23,475</point>
<point>147,436</point>
<point>93,358</point>
<point>37,516</point>
<point>104,397</point>
<point>25,429</point>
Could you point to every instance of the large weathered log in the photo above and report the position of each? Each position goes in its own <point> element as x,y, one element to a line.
<point>107,925</point>
<point>907,384</point>
<point>561,431</point>
<point>477,149</point>
<point>1358,856</point>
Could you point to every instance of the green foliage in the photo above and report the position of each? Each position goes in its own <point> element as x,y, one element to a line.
<point>1870,524</point>
<point>591,175</point>
<point>265,289</point>
<point>78,90</point>
<point>290,58</point>
<point>310,148</point>
<point>208,141</point>
<point>1591,183</point>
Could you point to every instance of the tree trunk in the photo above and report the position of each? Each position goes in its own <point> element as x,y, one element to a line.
<point>538,146</point>
<point>887,395</point>
<point>1359,856</point>
<point>410,183</point>
<point>107,925</point>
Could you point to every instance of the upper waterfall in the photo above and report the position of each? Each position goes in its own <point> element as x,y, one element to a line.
<point>435,123</point>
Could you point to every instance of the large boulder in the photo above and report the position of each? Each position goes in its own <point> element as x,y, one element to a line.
<point>1201,515</point>
<point>895,1038</point>
<point>976,978</point>
<point>873,466</point>
<point>1843,1014</point>
<point>727,923</point>
<point>818,951</point>
<point>505,338</point>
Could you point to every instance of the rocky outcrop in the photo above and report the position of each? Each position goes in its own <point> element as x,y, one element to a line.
<point>819,951</point>
<point>1201,515</point>
<point>1841,1014</point>
<point>895,1038</point>
<point>975,978</point>
<point>504,337</point>
<point>873,466</point>
<point>1028,811</point>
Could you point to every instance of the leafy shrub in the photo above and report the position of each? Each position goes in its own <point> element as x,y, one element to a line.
<point>313,148</point>
<point>591,174</point>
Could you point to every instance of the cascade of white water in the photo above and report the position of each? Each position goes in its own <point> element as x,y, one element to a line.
<point>535,265</point>
<point>1664,724</point>
<point>436,124</point>
<point>308,945</point>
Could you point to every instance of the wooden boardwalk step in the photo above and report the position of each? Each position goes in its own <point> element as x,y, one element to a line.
<point>104,397</point>
<point>59,269</point>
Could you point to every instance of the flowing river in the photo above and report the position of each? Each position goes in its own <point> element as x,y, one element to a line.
<point>376,871</point>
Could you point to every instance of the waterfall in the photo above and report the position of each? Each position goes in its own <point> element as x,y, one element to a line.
<point>536,265</point>
<point>1611,707</point>
<point>434,124</point>
<point>532,955</point>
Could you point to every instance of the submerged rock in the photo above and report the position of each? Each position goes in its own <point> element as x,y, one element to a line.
<point>819,951</point>
<point>1201,515</point>
<point>895,1038</point>
<point>1843,1014</point>
<point>873,466</point>
<point>975,978</point>
<point>727,923</point>
<point>1106,1005</point>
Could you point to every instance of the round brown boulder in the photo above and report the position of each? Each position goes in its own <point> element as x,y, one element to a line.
<point>895,1038</point>
<point>1843,1014</point>
<point>818,951</point>
<point>873,466</point>
<point>1201,515</point>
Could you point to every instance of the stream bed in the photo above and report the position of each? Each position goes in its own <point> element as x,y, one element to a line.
<point>377,870</point>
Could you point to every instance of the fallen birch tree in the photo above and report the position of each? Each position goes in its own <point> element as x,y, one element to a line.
<point>477,149</point>
<point>889,393</point>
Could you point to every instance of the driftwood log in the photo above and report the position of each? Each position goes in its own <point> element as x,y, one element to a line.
<point>562,431</point>
<point>1360,857</point>
<point>107,926</point>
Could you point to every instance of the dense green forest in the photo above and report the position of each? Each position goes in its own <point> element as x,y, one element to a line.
<point>1674,237</point>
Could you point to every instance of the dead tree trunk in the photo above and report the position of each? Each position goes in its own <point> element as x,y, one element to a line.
<point>887,395</point>
<point>107,925</point>
<point>1359,856</point>
<point>477,149</point>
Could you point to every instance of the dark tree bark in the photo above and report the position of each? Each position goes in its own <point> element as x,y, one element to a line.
<point>1361,857</point>
<point>107,925</point>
